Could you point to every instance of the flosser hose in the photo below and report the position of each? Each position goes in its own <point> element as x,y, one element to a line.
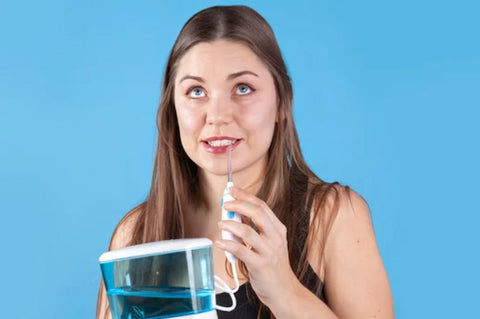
<point>227,215</point>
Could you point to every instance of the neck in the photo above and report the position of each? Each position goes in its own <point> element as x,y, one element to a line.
<point>213,185</point>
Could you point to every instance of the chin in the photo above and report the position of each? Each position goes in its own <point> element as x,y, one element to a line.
<point>217,170</point>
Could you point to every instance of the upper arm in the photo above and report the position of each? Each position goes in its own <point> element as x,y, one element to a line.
<point>356,283</point>
<point>121,238</point>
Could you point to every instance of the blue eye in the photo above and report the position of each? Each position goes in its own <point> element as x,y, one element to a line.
<point>244,89</point>
<point>196,93</point>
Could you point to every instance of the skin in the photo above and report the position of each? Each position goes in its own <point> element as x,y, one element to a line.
<point>243,107</point>
<point>355,279</point>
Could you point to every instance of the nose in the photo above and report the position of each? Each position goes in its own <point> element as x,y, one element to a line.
<point>219,110</point>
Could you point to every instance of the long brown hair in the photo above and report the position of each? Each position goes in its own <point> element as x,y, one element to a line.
<point>175,176</point>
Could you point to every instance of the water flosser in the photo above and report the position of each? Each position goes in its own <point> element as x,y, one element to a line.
<point>226,215</point>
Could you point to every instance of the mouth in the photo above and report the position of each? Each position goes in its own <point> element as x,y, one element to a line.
<point>217,143</point>
<point>220,144</point>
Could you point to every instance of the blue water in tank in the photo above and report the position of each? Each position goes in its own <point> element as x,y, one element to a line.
<point>160,286</point>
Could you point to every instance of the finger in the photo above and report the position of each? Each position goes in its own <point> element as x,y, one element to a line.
<point>240,194</point>
<point>249,257</point>
<point>246,233</point>
<point>255,213</point>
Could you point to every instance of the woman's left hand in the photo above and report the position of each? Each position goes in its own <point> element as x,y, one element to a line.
<point>265,253</point>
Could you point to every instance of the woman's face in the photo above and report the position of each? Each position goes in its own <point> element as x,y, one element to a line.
<point>224,95</point>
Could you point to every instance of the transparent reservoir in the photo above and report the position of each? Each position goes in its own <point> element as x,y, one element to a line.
<point>160,280</point>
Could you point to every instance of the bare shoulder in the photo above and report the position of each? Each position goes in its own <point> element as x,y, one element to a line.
<point>350,220</point>
<point>356,282</point>
<point>332,196</point>
<point>348,210</point>
<point>333,204</point>
<point>328,200</point>
<point>124,231</point>
<point>337,207</point>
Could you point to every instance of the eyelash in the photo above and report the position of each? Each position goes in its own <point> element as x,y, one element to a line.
<point>189,91</point>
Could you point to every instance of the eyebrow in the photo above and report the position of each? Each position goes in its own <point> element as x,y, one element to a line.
<point>229,77</point>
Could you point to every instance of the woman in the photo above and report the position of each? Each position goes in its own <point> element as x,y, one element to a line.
<point>308,247</point>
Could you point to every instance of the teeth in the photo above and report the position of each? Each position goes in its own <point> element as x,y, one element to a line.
<point>217,143</point>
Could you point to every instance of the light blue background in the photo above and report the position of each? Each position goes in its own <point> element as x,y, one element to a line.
<point>386,101</point>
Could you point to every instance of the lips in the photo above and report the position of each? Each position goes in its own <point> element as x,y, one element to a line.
<point>220,144</point>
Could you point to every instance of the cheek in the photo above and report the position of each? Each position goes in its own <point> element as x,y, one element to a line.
<point>189,126</point>
<point>260,116</point>
<point>188,119</point>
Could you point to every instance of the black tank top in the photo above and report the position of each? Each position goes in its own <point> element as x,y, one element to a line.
<point>249,309</point>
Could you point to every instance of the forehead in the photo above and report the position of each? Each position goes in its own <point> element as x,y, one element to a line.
<point>219,58</point>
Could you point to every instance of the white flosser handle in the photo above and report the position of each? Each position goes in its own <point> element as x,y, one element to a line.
<point>227,215</point>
